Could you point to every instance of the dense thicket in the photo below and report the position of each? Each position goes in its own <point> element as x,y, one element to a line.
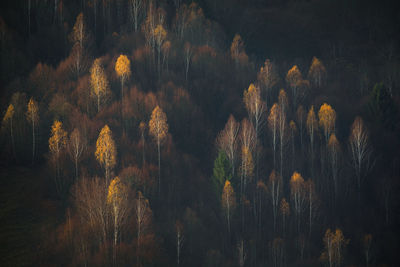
<point>209,133</point>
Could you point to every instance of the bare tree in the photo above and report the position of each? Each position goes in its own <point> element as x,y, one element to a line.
<point>143,219</point>
<point>76,147</point>
<point>227,141</point>
<point>275,190</point>
<point>180,238</point>
<point>188,51</point>
<point>360,150</point>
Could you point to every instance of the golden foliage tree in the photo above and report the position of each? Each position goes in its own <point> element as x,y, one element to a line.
<point>106,152</point>
<point>317,73</point>
<point>57,143</point>
<point>98,82</point>
<point>123,70</point>
<point>158,128</point>
<point>228,203</point>
<point>8,118</point>
<point>32,115</point>
<point>327,119</point>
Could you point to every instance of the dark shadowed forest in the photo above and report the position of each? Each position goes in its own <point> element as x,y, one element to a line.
<point>199,133</point>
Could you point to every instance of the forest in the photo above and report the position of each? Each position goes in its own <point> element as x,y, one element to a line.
<point>199,133</point>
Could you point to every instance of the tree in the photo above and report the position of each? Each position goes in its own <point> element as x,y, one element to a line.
<point>248,139</point>
<point>294,79</point>
<point>221,172</point>
<point>285,211</point>
<point>298,196</point>
<point>76,147</point>
<point>98,82</point>
<point>334,152</point>
<point>238,54</point>
<point>80,39</point>
<point>228,203</point>
<point>123,70</point>
<point>142,128</point>
<point>160,34</point>
<point>106,152</point>
<point>275,189</point>
<point>335,243</point>
<point>317,73</point>
<point>312,202</point>
<point>90,201</point>
<point>242,255</point>
<point>188,52</point>
<point>57,143</point>
<point>327,118</point>
<point>367,241</point>
<point>227,141</point>
<point>267,77</point>
<point>278,252</point>
<point>360,150</point>
<point>273,126</point>
<point>255,109</point>
<point>32,115</point>
<point>300,118</point>
<point>282,125</point>
<point>117,198</point>
<point>180,238</point>
<point>293,130</point>
<point>143,216</point>
<point>136,12</point>
<point>312,128</point>
<point>158,128</point>
<point>8,118</point>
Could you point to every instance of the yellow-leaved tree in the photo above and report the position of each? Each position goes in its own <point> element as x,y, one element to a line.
<point>228,203</point>
<point>106,152</point>
<point>158,128</point>
<point>57,143</point>
<point>123,70</point>
<point>32,115</point>
<point>267,78</point>
<point>117,198</point>
<point>327,118</point>
<point>294,80</point>
<point>8,119</point>
<point>98,82</point>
